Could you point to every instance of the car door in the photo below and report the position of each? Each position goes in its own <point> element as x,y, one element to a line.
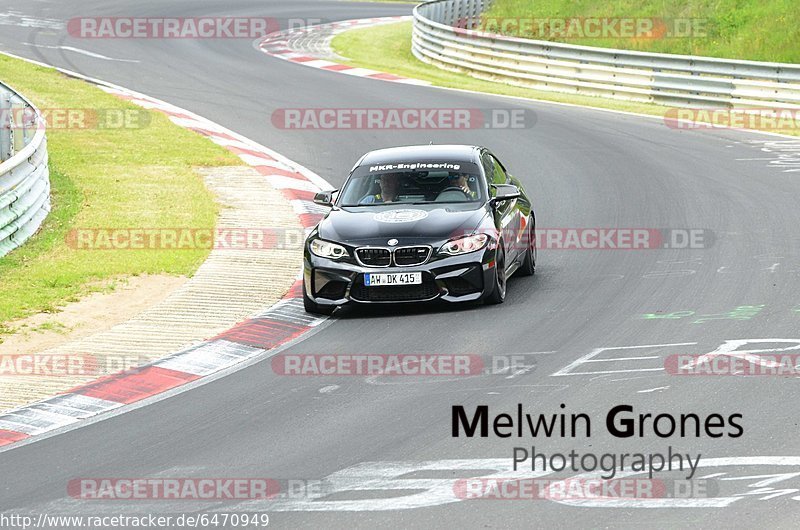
<point>506,213</point>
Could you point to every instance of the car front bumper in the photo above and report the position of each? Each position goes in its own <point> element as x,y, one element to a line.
<point>464,278</point>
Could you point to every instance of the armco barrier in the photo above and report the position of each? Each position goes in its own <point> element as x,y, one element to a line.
<point>443,37</point>
<point>24,175</point>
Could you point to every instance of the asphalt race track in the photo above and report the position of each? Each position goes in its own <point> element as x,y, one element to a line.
<point>584,168</point>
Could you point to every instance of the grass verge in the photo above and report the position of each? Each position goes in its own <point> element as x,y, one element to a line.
<point>140,175</point>
<point>739,29</point>
<point>388,48</point>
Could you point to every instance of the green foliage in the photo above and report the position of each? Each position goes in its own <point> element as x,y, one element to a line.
<point>767,30</point>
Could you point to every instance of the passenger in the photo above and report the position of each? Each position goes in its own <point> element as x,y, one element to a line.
<point>390,188</point>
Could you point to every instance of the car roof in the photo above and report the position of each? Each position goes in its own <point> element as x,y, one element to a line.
<point>422,153</point>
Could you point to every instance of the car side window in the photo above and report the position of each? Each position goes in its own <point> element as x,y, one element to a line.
<point>500,176</point>
<point>488,166</point>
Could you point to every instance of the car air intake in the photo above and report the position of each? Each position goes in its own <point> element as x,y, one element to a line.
<point>411,255</point>
<point>374,257</point>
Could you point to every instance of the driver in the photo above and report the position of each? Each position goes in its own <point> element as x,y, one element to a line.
<point>461,181</point>
<point>390,188</point>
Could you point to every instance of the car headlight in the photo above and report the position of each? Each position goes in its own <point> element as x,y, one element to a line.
<point>327,249</point>
<point>465,245</point>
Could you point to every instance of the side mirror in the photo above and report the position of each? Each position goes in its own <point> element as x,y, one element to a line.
<point>505,192</point>
<point>324,198</point>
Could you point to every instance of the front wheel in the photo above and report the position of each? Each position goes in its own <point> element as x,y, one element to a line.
<point>498,295</point>
<point>312,307</point>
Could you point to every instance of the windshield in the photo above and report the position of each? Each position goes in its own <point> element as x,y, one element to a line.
<point>418,183</point>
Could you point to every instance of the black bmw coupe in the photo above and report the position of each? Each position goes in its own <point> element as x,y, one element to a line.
<point>420,223</point>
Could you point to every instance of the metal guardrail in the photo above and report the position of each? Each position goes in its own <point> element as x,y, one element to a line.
<point>444,36</point>
<point>24,175</point>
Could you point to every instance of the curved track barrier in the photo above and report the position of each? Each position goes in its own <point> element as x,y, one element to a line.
<point>444,36</point>
<point>24,175</point>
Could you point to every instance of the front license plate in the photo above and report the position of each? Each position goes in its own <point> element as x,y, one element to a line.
<point>392,278</point>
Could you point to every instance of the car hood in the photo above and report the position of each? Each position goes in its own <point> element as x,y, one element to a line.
<point>407,223</point>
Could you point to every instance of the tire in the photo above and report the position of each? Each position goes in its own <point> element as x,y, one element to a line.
<point>528,267</point>
<point>498,295</point>
<point>312,307</point>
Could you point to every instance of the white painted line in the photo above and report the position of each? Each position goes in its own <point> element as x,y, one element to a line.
<point>106,89</point>
<point>23,20</point>
<point>417,82</point>
<point>712,475</point>
<point>293,55</point>
<point>611,360</point>
<point>629,370</point>
<point>281,182</point>
<point>260,161</point>
<point>731,349</point>
<point>521,371</point>
<point>292,310</point>
<point>82,52</point>
<point>209,357</point>
<point>77,405</point>
<point>9,424</point>
<point>33,420</point>
<point>146,104</point>
<point>360,72</point>
<point>319,63</point>
<point>227,142</point>
<point>193,123</point>
<point>301,206</point>
<point>623,378</point>
<point>567,370</point>
<point>649,346</point>
<point>652,390</point>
